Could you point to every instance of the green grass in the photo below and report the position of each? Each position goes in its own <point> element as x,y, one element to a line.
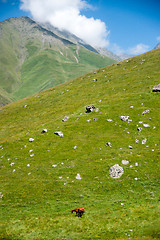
<point>37,204</point>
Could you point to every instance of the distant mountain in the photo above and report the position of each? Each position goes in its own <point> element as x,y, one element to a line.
<point>71,37</point>
<point>106,52</point>
<point>157,46</point>
<point>35,57</point>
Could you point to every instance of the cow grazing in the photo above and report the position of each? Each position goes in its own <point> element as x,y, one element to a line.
<point>79,211</point>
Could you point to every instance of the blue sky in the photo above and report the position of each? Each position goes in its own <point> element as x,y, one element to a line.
<point>122,26</point>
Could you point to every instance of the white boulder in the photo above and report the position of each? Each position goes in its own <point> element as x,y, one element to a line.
<point>116,171</point>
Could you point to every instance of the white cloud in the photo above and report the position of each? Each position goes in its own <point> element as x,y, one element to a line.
<point>117,49</point>
<point>65,14</point>
<point>158,38</point>
<point>138,49</point>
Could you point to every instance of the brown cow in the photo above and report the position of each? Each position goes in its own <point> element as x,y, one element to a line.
<point>79,211</point>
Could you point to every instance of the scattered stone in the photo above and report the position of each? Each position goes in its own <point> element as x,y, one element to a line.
<point>144,141</point>
<point>130,147</point>
<point>146,125</point>
<point>131,107</point>
<point>59,133</point>
<point>94,80</point>
<point>145,111</point>
<point>116,171</point>
<point>156,88</point>
<point>78,177</point>
<point>109,144</point>
<point>1,195</point>
<point>31,139</point>
<point>137,141</point>
<point>12,164</point>
<point>54,165</point>
<point>28,165</point>
<point>124,118</point>
<point>65,119</point>
<point>88,120</point>
<point>90,108</point>
<point>25,106</point>
<point>75,147</point>
<point>136,164</point>
<point>44,131</point>
<point>109,120</point>
<point>96,110</point>
<point>125,162</point>
<point>32,155</point>
<point>139,129</point>
<point>95,119</point>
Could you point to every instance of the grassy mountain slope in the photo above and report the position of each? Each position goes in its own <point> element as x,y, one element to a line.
<point>38,179</point>
<point>33,59</point>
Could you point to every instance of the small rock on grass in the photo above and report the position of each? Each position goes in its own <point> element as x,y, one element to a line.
<point>90,108</point>
<point>145,111</point>
<point>109,144</point>
<point>78,177</point>
<point>44,131</point>
<point>59,133</point>
<point>146,125</point>
<point>124,118</point>
<point>125,162</point>
<point>31,139</point>
<point>65,119</point>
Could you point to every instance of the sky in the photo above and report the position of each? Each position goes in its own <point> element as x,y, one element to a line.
<point>122,26</point>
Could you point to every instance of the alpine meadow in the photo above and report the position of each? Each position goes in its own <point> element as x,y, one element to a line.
<point>45,176</point>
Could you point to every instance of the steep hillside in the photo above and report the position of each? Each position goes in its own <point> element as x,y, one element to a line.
<point>43,180</point>
<point>33,58</point>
